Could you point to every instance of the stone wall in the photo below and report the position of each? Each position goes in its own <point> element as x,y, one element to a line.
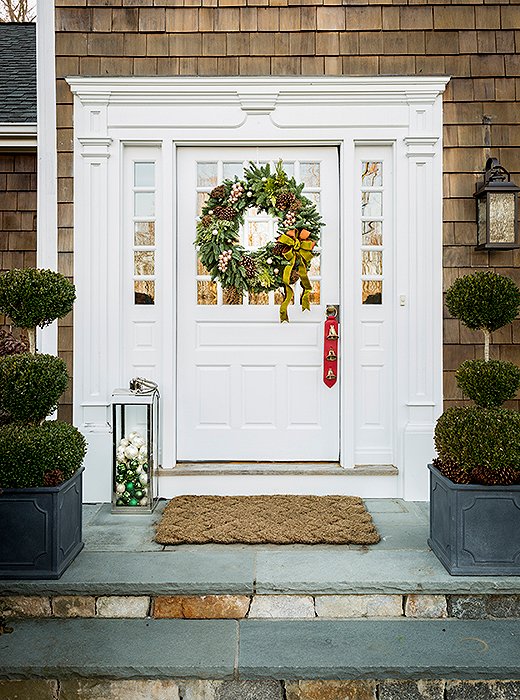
<point>476,43</point>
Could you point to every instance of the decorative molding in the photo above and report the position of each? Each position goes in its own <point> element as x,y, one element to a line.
<point>421,146</point>
<point>258,95</point>
<point>18,136</point>
<point>95,147</point>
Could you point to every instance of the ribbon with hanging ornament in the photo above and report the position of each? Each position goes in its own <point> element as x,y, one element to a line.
<point>299,255</point>
<point>330,347</point>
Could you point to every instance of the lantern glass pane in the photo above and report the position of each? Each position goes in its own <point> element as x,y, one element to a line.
<point>501,217</point>
<point>481,220</point>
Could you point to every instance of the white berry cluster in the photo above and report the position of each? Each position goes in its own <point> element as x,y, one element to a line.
<point>223,260</point>
<point>236,192</point>
<point>290,219</point>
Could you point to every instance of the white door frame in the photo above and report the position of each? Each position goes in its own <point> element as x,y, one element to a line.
<point>402,112</point>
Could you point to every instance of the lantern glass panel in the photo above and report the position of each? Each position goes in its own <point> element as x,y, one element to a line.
<point>502,217</point>
<point>136,444</point>
<point>482,221</point>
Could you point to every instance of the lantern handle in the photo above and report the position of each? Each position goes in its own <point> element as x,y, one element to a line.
<point>139,385</point>
<point>495,172</point>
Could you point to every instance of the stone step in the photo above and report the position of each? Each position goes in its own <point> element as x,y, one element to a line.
<point>260,649</point>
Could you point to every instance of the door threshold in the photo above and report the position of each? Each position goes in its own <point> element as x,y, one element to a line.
<point>277,468</point>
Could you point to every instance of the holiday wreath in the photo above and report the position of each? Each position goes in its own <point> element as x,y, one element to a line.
<point>279,263</point>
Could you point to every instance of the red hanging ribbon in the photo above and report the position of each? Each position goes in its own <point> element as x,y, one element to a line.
<point>330,350</point>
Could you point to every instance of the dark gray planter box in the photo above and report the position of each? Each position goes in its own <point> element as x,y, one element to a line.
<point>475,530</point>
<point>41,529</point>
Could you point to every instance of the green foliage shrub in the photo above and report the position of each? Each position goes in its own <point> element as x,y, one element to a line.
<point>482,438</point>
<point>484,300</point>
<point>490,383</point>
<point>30,386</point>
<point>33,297</point>
<point>28,452</point>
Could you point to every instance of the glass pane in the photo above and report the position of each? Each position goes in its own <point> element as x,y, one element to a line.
<point>144,262</point>
<point>144,233</point>
<point>258,233</point>
<point>144,174</point>
<point>372,233</point>
<point>372,262</point>
<point>314,269</point>
<point>262,298</point>
<point>501,217</point>
<point>279,296</point>
<point>314,197</point>
<point>482,212</point>
<point>202,198</point>
<point>201,270</point>
<point>372,174</point>
<point>231,296</point>
<point>206,292</point>
<point>289,169</point>
<point>372,203</point>
<point>144,204</point>
<point>310,174</point>
<point>144,291</point>
<point>206,174</point>
<point>233,169</point>
<point>315,292</point>
<point>372,291</point>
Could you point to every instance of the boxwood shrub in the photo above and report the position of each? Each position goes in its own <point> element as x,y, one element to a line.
<point>484,300</point>
<point>490,383</point>
<point>479,438</point>
<point>29,452</point>
<point>30,386</point>
<point>34,297</point>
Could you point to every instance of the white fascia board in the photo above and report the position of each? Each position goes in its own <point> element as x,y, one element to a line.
<point>18,136</point>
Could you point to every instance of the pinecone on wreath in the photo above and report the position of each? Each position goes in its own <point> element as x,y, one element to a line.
<point>218,192</point>
<point>280,248</point>
<point>225,213</point>
<point>285,200</point>
<point>249,266</point>
<point>295,276</point>
<point>206,220</point>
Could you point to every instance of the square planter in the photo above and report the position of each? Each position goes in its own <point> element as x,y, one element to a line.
<point>474,529</point>
<point>42,529</point>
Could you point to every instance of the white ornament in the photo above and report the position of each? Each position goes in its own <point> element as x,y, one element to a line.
<point>123,442</point>
<point>143,502</point>
<point>120,488</point>
<point>215,232</point>
<point>210,211</point>
<point>120,454</point>
<point>131,452</point>
<point>139,469</point>
<point>276,270</point>
<point>269,261</point>
<point>138,441</point>
<point>132,436</point>
<point>264,179</point>
<point>250,194</point>
<point>143,479</point>
<point>143,450</point>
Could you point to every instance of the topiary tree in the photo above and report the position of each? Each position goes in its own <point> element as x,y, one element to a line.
<point>35,452</point>
<point>33,297</point>
<point>484,301</point>
<point>481,444</point>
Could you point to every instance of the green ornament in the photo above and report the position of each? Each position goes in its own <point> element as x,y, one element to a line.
<point>138,493</point>
<point>120,478</point>
<point>134,464</point>
<point>120,502</point>
<point>130,486</point>
<point>133,502</point>
<point>126,497</point>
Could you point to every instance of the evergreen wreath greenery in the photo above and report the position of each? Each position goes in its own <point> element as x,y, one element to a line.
<point>276,264</point>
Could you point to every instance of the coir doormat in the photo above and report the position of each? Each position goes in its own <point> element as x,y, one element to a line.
<point>266,520</point>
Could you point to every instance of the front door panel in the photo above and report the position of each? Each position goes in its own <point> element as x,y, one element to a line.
<point>249,387</point>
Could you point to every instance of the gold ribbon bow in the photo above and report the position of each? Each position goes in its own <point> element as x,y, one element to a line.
<point>299,255</point>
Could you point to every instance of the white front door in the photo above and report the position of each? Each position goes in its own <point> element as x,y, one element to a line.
<point>250,388</point>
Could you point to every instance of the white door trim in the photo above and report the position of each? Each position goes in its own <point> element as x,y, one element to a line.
<point>405,112</point>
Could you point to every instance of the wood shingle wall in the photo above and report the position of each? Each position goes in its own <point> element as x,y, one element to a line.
<point>477,43</point>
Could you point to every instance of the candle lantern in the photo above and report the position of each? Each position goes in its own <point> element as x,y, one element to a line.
<point>497,209</point>
<point>136,447</point>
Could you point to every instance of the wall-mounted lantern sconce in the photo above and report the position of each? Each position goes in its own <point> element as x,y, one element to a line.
<point>497,209</point>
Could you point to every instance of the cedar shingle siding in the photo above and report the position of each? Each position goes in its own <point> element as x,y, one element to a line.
<point>477,44</point>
